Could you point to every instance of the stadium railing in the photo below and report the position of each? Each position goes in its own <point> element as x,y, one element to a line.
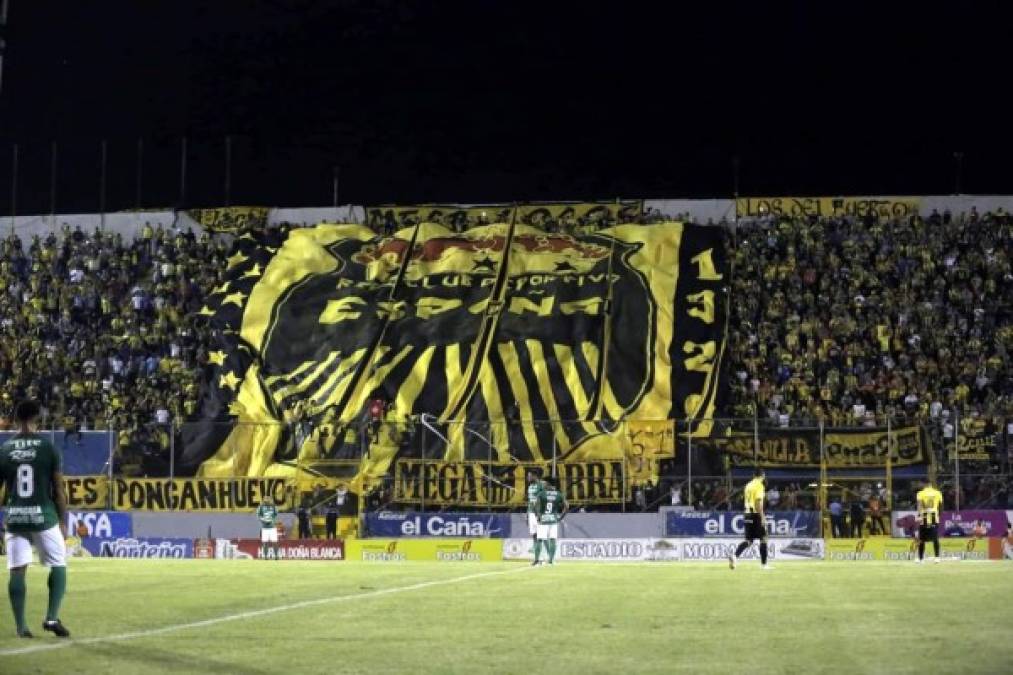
<point>423,464</point>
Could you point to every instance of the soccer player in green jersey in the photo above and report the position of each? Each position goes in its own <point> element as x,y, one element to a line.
<point>32,473</point>
<point>267,514</point>
<point>535,489</point>
<point>552,508</point>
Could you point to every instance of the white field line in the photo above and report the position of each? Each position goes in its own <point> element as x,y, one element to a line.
<point>31,649</point>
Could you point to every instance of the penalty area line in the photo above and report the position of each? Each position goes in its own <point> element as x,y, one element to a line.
<point>32,649</point>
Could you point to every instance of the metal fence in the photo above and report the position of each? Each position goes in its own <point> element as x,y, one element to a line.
<point>424,464</point>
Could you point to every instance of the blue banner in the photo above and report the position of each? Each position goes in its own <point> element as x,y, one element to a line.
<point>100,524</point>
<point>412,524</point>
<point>732,523</point>
<point>140,547</point>
<point>84,454</point>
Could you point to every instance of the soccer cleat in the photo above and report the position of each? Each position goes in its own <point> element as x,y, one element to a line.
<point>56,627</point>
<point>25,633</point>
<point>936,559</point>
<point>919,561</point>
<point>536,563</point>
<point>766,567</point>
<point>731,561</point>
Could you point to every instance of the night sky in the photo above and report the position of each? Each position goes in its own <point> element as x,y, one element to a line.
<point>499,101</point>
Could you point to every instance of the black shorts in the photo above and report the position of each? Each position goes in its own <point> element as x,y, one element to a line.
<point>928,532</point>
<point>756,527</point>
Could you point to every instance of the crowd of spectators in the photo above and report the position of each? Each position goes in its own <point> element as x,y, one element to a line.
<point>846,319</point>
<point>100,329</point>
<point>853,319</point>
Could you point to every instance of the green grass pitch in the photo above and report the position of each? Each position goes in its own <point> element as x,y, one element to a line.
<point>187,616</point>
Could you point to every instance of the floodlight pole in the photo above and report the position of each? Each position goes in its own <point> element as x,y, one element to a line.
<point>104,156</point>
<point>735,176</point>
<point>139,174</point>
<point>52,180</point>
<point>3,41</point>
<point>228,170</point>
<point>335,176</point>
<point>14,186</point>
<point>956,457</point>
<point>689,461</point>
<point>958,159</point>
<point>182,173</point>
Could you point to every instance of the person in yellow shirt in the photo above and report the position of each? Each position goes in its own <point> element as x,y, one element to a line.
<point>930,501</point>
<point>756,526</point>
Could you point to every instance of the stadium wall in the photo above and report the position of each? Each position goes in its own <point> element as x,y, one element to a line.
<point>194,525</point>
<point>129,223</point>
<point>600,525</point>
<point>695,210</point>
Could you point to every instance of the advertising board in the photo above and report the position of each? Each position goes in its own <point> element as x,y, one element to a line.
<point>287,549</point>
<point>413,524</point>
<point>805,524</point>
<point>138,547</point>
<point>953,523</point>
<point>427,550</point>
<point>599,550</point>
<point>890,548</point>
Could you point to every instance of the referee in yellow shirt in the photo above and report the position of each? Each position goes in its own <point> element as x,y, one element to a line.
<point>756,526</point>
<point>929,500</point>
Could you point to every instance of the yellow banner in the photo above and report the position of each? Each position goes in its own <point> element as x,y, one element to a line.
<point>181,494</point>
<point>537,215</point>
<point>578,213</point>
<point>843,449</point>
<point>199,494</point>
<point>424,550</point>
<point>87,492</point>
<point>890,207</point>
<point>230,218</point>
<point>503,485</point>
<point>978,439</point>
<point>886,548</point>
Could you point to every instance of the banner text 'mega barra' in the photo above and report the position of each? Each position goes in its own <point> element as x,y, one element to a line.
<point>491,484</point>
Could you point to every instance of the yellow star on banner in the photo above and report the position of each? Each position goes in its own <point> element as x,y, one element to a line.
<point>254,271</point>
<point>236,408</point>
<point>221,289</point>
<point>237,259</point>
<point>206,311</point>
<point>236,298</point>
<point>217,358</point>
<point>229,380</point>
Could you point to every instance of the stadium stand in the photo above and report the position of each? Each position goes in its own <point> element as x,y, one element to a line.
<point>849,319</point>
<point>102,330</point>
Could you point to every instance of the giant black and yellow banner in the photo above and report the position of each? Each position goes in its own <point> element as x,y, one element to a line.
<point>230,218</point>
<point>842,449</point>
<point>458,217</point>
<point>180,494</point>
<point>465,335</point>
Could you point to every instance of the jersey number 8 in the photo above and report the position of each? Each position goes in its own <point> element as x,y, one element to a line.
<point>26,480</point>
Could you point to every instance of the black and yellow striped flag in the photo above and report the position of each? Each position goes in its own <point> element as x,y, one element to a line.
<point>483,332</point>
